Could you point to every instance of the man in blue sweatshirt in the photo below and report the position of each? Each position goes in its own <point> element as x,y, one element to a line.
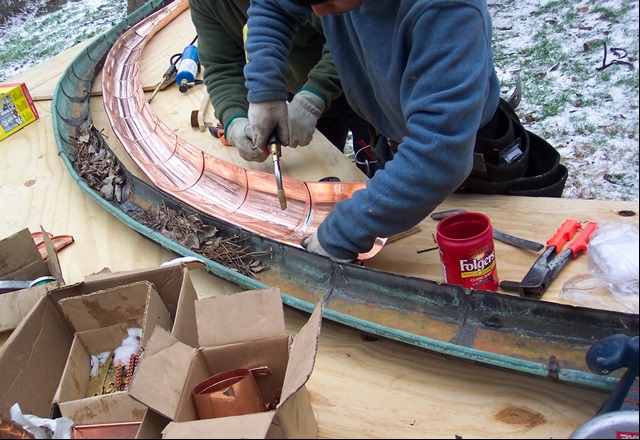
<point>313,86</point>
<point>420,71</point>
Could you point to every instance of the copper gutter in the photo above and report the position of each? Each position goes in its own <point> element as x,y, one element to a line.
<point>243,197</point>
<point>532,337</point>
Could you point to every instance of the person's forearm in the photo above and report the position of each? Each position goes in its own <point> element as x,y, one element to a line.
<point>222,58</point>
<point>323,78</point>
<point>270,32</point>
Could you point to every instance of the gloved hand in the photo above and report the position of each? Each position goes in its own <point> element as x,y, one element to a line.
<point>239,134</point>
<point>304,111</point>
<point>265,118</point>
<point>312,244</point>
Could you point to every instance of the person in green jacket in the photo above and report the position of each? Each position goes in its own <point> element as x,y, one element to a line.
<point>316,97</point>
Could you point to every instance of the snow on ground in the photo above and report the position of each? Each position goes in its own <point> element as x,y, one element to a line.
<point>555,47</point>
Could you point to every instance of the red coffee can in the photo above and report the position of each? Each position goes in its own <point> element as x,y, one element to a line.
<point>466,251</point>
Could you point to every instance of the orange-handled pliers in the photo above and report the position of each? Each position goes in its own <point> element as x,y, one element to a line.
<point>552,260</point>
<point>218,132</point>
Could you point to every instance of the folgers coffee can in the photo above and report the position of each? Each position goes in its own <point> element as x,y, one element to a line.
<point>467,252</point>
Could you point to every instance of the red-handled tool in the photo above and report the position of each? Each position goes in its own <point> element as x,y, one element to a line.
<point>218,132</point>
<point>552,260</point>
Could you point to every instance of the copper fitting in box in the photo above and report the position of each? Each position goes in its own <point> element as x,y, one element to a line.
<point>230,393</point>
<point>107,430</point>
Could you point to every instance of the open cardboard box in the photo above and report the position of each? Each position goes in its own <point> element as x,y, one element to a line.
<point>33,359</point>
<point>20,260</point>
<point>102,320</point>
<point>242,330</point>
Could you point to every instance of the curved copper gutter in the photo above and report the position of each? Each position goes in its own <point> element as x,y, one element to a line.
<point>503,331</point>
<point>243,197</point>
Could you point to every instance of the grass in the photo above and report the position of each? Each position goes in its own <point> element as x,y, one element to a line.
<point>555,47</point>
<point>25,48</point>
<point>589,114</point>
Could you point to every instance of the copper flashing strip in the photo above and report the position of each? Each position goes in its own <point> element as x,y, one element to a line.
<point>246,198</point>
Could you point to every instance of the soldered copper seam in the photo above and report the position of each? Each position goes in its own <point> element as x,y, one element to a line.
<point>243,197</point>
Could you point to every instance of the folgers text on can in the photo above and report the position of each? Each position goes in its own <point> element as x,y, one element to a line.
<point>467,252</point>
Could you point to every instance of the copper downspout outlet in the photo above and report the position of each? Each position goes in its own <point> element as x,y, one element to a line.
<point>230,393</point>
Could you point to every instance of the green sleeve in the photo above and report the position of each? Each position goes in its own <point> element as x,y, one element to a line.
<point>323,77</point>
<point>221,53</point>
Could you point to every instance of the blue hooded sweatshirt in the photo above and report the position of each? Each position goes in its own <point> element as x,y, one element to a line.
<point>420,71</point>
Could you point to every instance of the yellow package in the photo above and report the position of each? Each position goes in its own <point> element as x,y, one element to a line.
<point>16,108</point>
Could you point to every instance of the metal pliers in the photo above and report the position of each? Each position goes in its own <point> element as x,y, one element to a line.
<point>275,151</point>
<point>552,260</point>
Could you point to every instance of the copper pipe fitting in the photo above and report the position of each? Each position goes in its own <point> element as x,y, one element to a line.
<point>230,393</point>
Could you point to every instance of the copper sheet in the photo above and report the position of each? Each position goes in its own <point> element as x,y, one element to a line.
<point>246,198</point>
<point>108,430</point>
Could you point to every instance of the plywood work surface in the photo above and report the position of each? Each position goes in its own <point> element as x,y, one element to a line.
<point>360,388</point>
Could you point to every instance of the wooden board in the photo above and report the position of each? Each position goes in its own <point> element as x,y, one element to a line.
<point>359,388</point>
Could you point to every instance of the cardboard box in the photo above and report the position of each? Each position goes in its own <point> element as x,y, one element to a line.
<point>101,320</point>
<point>243,330</point>
<point>33,359</point>
<point>17,109</point>
<point>21,260</point>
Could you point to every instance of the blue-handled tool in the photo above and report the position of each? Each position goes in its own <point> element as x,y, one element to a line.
<point>618,415</point>
<point>188,68</point>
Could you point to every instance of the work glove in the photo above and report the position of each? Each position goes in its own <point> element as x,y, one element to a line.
<point>238,133</point>
<point>266,118</point>
<point>304,111</point>
<point>312,244</point>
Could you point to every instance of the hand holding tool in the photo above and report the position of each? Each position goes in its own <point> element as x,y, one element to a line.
<point>552,260</point>
<point>239,135</point>
<point>275,150</point>
<point>266,118</point>
<point>500,236</point>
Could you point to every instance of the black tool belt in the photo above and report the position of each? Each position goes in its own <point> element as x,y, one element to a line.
<point>511,160</point>
<point>507,159</point>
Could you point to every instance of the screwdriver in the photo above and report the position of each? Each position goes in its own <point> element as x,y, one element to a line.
<point>275,150</point>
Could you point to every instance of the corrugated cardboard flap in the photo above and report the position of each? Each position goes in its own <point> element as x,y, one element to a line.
<point>302,355</point>
<point>246,426</point>
<point>38,348</point>
<point>172,283</point>
<point>53,263</point>
<point>21,260</point>
<point>108,307</point>
<point>242,317</point>
<point>162,373</point>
